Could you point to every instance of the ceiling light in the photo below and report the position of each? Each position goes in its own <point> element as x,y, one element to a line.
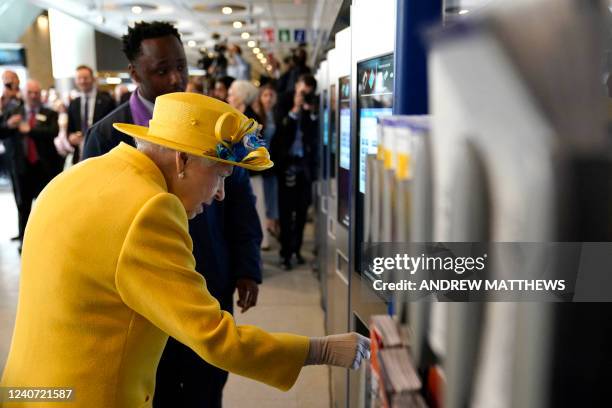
<point>464,11</point>
<point>191,43</point>
<point>136,9</point>
<point>226,10</point>
<point>245,35</point>
<point>269,67</point>
<point>251,43</point>
<point>260,56</point>
<point>43,22</point>
<point>263,60</point>
<point>237,24</point>
<point>256,50</point>
<point>113,80</point>
<point>184,24</point>
<point>100,19</point>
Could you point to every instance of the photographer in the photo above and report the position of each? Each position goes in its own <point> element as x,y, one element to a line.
<point>237,66</point>
<point>294,151</point>
<point>215,63</point>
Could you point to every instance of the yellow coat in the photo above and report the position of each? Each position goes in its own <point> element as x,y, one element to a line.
<point>107,274</point>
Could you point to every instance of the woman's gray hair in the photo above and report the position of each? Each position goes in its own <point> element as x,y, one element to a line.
<point>145,145</point>
<point>245,91</point>
<point>159,150</point>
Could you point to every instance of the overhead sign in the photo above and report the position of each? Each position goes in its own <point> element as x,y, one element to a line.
<point>299,36</point>
<point>284,35</point>
<point>268,35</point>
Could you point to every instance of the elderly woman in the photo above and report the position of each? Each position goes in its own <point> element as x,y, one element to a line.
<point>100,295</point>
<point>265,107</point>
<point>241,95</point>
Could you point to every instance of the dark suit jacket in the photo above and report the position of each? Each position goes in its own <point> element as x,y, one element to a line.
<point>104,105</point>
<point>43,133</point>
<point>286,130</point>
<point>226,237</point>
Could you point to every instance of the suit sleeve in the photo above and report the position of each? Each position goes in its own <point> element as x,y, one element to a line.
<point>72,115</point>
<point>95,142</point>
<point>48,129</point>
<point>156,277</point>
<point>242,226</point>
<point>6,132</point>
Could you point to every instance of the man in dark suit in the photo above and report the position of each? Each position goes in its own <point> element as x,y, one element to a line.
<point>226,237</point>
<point>28,131</point>
<point>91,106</point>
<point>293,151</point>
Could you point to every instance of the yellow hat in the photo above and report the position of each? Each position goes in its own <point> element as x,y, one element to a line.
<point>203,126</point>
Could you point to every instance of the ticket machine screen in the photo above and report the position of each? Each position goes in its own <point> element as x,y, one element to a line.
<point>374,98</point>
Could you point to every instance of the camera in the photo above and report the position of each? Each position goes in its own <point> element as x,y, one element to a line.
<point>309,98</point>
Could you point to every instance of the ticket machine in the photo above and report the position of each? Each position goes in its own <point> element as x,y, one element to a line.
<point>321,188</point>
<point>506,123</point>
<point>372,77</point>
<point>338,215</point>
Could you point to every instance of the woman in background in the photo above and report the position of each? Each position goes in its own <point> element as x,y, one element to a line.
<point>241,95</point>
<point>195,85</point>
<point>265,108</point>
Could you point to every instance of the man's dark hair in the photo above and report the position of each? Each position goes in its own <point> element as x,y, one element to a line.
<point>226,80</point>
<point>299,57</point>
<point>143,31</point>
<point>308,80</point>
<point>87,67</point>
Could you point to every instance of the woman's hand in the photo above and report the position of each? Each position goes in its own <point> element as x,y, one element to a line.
<point>346,350</point>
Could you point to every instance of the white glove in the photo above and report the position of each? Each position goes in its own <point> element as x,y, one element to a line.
<point>342,350</point>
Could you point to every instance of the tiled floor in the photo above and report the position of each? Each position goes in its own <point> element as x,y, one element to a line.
<point>288,301</point>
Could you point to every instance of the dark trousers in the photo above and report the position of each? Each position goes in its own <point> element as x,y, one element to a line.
<point>294,196</point>
<point>26,187</point>
<point>185,380</point>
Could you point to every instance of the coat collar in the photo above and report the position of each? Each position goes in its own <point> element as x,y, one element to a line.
<point>142,162</point>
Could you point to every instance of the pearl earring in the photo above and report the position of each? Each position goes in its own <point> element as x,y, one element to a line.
<point>181,175</point>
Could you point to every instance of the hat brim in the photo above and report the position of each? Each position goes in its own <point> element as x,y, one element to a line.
<point>142,132</point>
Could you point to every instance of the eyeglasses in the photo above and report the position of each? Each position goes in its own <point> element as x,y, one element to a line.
<point>10,86</point>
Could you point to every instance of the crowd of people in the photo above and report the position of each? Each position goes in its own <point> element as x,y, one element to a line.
<point>44,137</point>
<point>286,109</point>
<point>283,106</point>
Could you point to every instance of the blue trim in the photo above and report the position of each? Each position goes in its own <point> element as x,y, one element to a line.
<point>410,89</point>
<point>418,122</point>
<point>456,30</point>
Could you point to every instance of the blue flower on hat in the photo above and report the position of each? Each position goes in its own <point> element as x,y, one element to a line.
<point>225,153</point>
<point>237,152</point>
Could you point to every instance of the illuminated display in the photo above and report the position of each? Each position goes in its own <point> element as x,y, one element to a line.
<point>344,151</point>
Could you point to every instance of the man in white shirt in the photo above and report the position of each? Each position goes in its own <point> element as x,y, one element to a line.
<point>89,107</point>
